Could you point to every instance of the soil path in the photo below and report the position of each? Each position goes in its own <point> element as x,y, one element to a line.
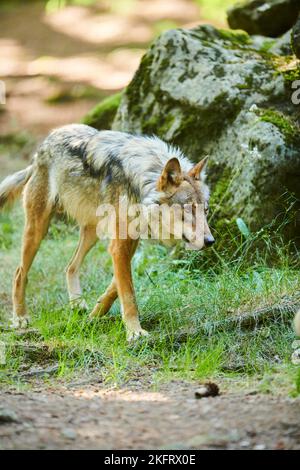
<point>55,72</point>
<point>92,417</point>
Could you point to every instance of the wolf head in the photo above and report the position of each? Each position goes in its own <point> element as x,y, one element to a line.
<point>188,196</point>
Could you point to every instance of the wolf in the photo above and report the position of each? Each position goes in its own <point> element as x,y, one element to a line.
<point>76,169</point>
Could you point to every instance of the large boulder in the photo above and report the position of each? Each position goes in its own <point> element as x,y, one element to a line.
<point>220,93</point>
<point>266,17</point>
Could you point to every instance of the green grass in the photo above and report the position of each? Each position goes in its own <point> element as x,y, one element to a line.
<point>176,296</point>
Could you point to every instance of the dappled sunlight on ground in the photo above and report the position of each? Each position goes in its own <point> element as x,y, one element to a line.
<point>121,395</point>
<point>106,29</point>
<point>13,58</point>
<point>110,73</point>
<point>176,10</point>
<point>135,25</point>
<point>56,418</point>
<point>44,54</point>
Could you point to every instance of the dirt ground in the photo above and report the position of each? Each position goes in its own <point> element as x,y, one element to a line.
<point>46,57</point>
<point>57,65</point>
<point>81,416</point>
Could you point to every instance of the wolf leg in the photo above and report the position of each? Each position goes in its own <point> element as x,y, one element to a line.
<point>88,238</point>
<point>37,217</point>
<point>105,302</point>
<point>122,252</point>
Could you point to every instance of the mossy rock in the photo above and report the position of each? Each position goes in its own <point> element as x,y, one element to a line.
<point>102,116</point>
<point>220,93</point>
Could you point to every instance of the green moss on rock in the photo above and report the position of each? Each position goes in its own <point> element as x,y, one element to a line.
<point>140,80</point>
<point>287,127</point>
<point>237,36</point>
<point>292,75</point>
<point>102,116</point>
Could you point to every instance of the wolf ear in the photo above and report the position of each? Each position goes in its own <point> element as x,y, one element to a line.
<point>198,169</point>
<point>171,175</point>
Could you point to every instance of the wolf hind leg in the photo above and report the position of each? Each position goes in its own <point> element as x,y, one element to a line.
<point>88,238</point>
<point>38,212</point>
<point>105,302</point>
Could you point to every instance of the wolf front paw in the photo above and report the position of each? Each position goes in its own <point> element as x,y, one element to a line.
<point>19,322</point>
<point>133,335</point>
<point>79,304</point>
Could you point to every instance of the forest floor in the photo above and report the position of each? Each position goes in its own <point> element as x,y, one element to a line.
<point>79,386</point>
<point>54,72</point>
<point>89,416</point>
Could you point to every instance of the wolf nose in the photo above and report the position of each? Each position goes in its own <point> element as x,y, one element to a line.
<point>209,240</point>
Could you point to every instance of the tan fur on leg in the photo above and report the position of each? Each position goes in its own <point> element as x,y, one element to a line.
<point>105,302</point>
<point>38,213</point>
<point>121,252</point>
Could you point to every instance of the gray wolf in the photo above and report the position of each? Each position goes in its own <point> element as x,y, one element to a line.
<point>76,169</point>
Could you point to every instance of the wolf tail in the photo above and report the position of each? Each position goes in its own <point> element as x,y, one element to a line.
<point>12,187</point>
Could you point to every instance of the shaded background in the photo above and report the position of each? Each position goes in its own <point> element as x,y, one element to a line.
<point>59,58</point>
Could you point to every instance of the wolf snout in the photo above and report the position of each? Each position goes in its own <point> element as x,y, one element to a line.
<point>209,240</point>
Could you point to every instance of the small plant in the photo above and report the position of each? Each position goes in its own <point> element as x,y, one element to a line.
<point>243,228</point>
<point>286,125</point>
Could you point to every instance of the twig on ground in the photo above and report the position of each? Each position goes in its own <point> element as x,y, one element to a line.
<point>282,312</point>
<point>38,372</point>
